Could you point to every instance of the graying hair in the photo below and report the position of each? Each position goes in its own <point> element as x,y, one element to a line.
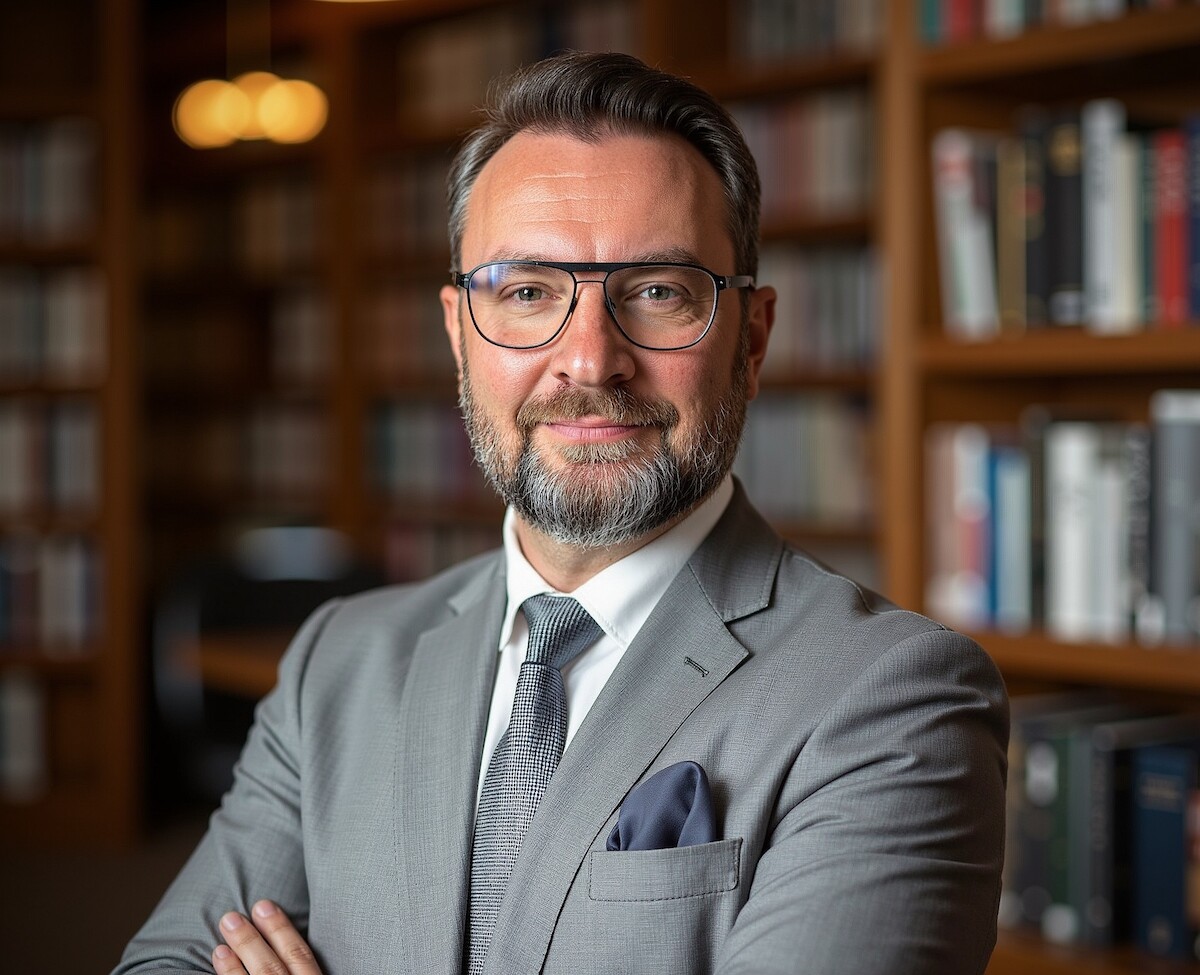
<point>591,96</point>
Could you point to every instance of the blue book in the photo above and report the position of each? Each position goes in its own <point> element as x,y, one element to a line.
<point>1165,780</point>
<point>1191,134</point>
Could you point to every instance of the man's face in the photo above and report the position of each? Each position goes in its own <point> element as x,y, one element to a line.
<point>593,440</point>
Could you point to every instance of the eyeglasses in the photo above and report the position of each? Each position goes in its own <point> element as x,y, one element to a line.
<point>525,304</point>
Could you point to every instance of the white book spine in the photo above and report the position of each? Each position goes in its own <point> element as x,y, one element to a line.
<point>1071,459</point>
<point>1103,121</point>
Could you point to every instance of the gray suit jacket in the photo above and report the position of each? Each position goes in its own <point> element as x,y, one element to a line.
<point>856,754</point>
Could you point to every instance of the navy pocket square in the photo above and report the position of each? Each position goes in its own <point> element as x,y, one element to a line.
<point>671,808</point>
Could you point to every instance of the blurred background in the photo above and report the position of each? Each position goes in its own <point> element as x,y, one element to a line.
<point>225,393</point>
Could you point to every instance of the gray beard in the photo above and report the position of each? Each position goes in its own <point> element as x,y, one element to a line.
<point>610,493</point>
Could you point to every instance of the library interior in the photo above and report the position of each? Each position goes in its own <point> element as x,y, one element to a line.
<point>226,394</point>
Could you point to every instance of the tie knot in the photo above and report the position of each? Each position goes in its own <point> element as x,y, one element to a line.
<point>559,629</point>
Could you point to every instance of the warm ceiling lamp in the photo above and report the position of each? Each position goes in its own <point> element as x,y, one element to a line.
<point>255,104</point>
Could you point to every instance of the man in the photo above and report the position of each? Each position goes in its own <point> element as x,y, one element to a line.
<point>766,768</point>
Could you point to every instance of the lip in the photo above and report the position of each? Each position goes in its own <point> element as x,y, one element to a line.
<point>592,429</point>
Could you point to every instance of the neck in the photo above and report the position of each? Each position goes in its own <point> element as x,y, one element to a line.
<point>567,567</point>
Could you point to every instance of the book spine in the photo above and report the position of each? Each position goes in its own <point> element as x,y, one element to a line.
<point>1103,121</point>
<point>1064,205</point>
<point>967,261</point>
<point>1192,130</point>
<point>1171,218</point>
<point>1034,124</point>
<point>1164,781</point>
<point>1176,418</point>
<point>1148,206</point>
<point>1071,465</point>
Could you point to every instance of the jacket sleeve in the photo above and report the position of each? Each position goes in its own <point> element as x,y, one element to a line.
<point>252,848</point>
<point>887,851</point>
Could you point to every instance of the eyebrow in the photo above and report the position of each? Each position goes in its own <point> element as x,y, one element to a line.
<point>672,255</point>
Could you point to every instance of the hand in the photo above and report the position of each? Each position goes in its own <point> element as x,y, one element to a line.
<point>268,946</point>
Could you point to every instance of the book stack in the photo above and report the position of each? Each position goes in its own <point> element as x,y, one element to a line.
<point>49,595</point>
<point>808,459</point>
<point>52,325</point>
<point>1075,219</point>
<point>815,153</point>
<point>1081,524</point>
<point>48,181</point>
<point>780,31</point>
<point>23,753</point>
<point>1103,837</point>
<point>277,226</point>
<point>954,21</point>
<point>827,312</point>
<point>49,457</point>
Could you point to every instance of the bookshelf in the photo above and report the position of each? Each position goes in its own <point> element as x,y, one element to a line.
<point>931,377</point>
<point>68,630</point>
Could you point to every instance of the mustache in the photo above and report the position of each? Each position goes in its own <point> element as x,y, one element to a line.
<point>615,404</point>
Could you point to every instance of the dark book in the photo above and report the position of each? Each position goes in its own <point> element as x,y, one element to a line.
<point>1191,128</point>
<point>1033,125</point>
<point>1175,573</point>
<point>1064,211</point>
<point>1164,792</point>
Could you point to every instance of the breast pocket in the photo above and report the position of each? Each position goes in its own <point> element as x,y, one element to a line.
<point>659,875</point>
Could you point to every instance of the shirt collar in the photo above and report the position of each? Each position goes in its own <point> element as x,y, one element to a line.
<point>620,597</point>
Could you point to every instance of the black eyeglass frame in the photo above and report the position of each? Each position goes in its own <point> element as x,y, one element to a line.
<point>721,282</point>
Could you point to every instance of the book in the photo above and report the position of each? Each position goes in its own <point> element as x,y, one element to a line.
<point>1101,858</point>
<point>965,233</point>
<point>1166,872</point>
<point>1191,130</point>
<point>1170,203</point>
<point>1175,574</point>
<point>1033,125</point>
<point>1064,208</point>
<point>1102,122</point>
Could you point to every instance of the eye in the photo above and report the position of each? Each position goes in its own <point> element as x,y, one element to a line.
<point>529,292</point>
<point>659,292</point>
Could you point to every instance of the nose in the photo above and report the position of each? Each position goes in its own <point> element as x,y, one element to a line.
<point>591,351</point>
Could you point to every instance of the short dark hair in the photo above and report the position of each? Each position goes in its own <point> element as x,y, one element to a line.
<point>591,96</point>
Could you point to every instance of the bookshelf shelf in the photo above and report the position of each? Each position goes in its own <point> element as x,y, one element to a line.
<point>828,380</point>
<point>757,81</point>
<point>1057,48</point>
<point>1066,351</point>
<point>1155,668</point>
<point>850,229</point>
<point>823,532</point>
<point>75,667</point>
<point>1018,954</point>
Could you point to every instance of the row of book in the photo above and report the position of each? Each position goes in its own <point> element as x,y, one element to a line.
<point>53,325</point>
<point>807,458</point>
<point>1076,219</point>
<point>773,31</point>
<point>815,153</point>
<point>23,750</point>
<point>420,451</point>
<point>444,67</point>
<point>954,21</point>
<point>827,313</point>
<point>49,456</point>
<point>49,594</point>
<point>48,181</point>
<point>403,336</point>
<point>404,212</point>
<point>1104,824</point>
<point>271,452</point>
<point>1086,527</point>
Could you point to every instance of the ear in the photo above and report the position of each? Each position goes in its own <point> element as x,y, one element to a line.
<point>761,321</point>
<point>451,297</point>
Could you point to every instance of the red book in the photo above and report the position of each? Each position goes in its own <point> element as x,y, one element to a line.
<point>1170,163</point>
<point>959,19</point>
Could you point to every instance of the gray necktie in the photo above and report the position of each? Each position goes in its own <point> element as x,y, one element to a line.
<point>525,758</point>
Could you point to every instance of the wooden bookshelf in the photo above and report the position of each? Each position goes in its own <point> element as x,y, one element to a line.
<point>931,377</point>
<point>89,713</point>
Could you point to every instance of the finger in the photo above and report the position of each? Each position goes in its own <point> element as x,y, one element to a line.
<point>284,939</point>
<point>226,962</point>
<point>254,954</point>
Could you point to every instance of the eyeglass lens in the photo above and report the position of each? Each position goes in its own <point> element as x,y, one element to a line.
<point>659,307</point>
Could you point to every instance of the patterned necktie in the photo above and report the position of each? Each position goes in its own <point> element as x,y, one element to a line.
<point>525,758</point>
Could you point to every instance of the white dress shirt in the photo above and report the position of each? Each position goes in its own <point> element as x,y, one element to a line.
<point>620,599</point>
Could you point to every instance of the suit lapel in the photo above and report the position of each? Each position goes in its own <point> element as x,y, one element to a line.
<point>443,718</point>
<point>680,656</point>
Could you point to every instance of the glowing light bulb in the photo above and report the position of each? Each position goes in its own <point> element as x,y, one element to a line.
<point>292,111</point>
<point>254,84</point>
<point>210,113</point>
